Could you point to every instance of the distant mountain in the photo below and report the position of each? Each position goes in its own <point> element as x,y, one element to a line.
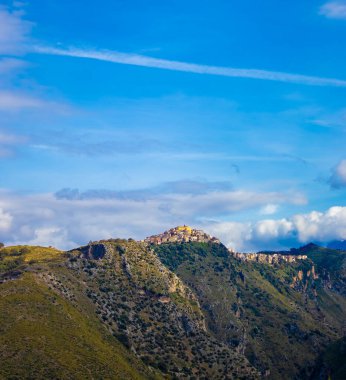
<point>178,305</point>
<point>337,244</point>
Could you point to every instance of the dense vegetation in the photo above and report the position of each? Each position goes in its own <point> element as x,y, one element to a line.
<point>111,297</point>
<point>153,312</point>
<point>42,336</point>
<point>332,363</point>
<point>281,317</point>
<point>119,309</point>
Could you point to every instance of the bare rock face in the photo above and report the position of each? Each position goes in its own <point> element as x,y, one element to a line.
<point>181,234</point>
<point>92,251</point>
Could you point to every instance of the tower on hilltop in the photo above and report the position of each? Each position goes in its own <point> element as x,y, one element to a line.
<point>184,228</point>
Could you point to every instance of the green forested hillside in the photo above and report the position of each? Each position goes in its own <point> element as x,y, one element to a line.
<point>107,310</point>
<point>43,335</point>
<point>331,264</point>
<point>120,309</point>
<point>332,362</point>
<point>281,317</point>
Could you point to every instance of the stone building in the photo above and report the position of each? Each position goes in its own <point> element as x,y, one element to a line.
<point>181,234</point>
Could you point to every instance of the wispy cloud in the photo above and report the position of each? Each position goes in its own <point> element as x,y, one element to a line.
<point>14,31</point>
<point>8,65</point>
<point>145,61</point>
<point>13,101</point>
<point>9,142</point>
<point>338,178</point>
<point>152,150</point>
<point>334,9</point>
<point>15,39</point>
<point>186,186</point>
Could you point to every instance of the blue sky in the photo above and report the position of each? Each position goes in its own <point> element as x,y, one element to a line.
<point>126,118</point>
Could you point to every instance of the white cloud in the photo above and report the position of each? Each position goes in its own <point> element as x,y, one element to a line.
<point>14,31</point>
<point>334,9</point>
<point>145,61</point>
<point>236,236</point>
<point>338,177</point>
<point>5,220</point>
<point>283,233</point>
<point>70,221</point>
<point>49,236</point>
<point>321,226</point>
<point>269,209</point>
<point>15,39</point>
<point>218,203</point>
<point>272,229</point>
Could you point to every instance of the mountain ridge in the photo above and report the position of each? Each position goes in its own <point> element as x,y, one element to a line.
<point>183,309</point>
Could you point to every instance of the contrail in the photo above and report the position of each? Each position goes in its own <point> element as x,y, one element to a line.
<point>145,61</point>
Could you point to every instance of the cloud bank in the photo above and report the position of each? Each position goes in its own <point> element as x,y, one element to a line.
<point>283,233</point>
<point>70,218</point>
<point>145,61</point>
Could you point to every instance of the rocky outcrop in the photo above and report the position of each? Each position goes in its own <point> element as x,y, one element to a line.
<point>181,234</point>
<point>11,275</point>
<point>92,251</point>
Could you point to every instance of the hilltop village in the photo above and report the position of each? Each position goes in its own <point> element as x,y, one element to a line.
<point>181,234</point>
<point>268,258</point>
<point>185,234</point>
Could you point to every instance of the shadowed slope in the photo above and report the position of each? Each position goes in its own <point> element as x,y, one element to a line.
<point>281,316</point>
